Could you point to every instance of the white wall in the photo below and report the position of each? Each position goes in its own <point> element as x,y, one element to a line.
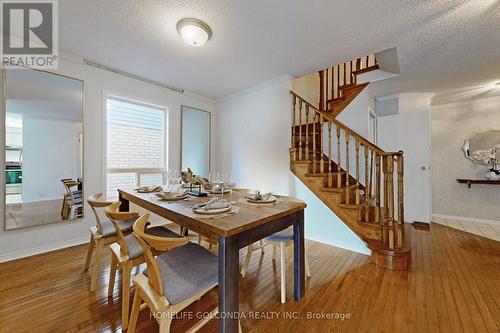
<point>409,131</point>
<point>307,87</point>
<point>24,242</point>
<point>451,125</point>
<point>50,153</point>
<point>252,134</point>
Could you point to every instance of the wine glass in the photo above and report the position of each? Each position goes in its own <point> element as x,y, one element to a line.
<point>176,180</point>
<point>222,181</point>
<point>230,184</point>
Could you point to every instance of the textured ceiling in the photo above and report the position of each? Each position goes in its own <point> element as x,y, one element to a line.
<point>441,44</point>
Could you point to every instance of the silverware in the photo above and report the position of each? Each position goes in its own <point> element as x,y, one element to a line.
<point>231,212</point>
<point>204,203</point>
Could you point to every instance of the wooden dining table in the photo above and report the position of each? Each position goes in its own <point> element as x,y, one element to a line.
<point>252,223</point>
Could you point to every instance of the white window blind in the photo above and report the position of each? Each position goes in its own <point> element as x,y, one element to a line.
<point>136,145</point>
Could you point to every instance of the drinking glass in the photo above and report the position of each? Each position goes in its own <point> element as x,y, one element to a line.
<point>222,181</point>
<point>230,184</point>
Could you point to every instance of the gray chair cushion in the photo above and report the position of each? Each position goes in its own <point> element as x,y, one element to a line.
<point>186,271</point>
<point>108,228</point>
<point>135,248</point>
<point>282,236</point>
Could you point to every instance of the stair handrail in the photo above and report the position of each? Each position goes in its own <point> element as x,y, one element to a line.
<point>348,130</point>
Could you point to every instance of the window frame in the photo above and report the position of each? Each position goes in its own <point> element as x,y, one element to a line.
<point>137,171</point>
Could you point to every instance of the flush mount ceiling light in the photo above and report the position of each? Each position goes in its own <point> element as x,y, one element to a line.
<point>194,32</point>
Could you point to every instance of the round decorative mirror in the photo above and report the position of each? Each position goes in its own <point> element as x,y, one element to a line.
<point>482,147</point>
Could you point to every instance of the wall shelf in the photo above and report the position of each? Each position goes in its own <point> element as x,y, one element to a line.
<point>469,182</point>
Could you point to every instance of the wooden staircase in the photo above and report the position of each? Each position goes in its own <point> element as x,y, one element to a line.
<point>338,84</point>
<point>354,178</point>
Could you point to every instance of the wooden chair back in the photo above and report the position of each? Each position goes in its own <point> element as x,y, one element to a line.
<point>95,202</point>
<point>113,213</point>
<point>150,242</point>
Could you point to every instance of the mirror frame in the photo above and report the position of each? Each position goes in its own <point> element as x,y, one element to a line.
<point>209,134</point>
<point>3,141</point>
<point>464,146</point>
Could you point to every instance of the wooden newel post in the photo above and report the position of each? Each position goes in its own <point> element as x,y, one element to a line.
<point>390,199</point>
<point>401,213</point>
<point>377,188</point>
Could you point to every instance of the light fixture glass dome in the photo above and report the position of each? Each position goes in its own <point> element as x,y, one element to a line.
<point>194,32</point>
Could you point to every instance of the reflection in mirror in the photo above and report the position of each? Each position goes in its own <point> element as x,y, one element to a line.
<point>482,147</point>
<point>195,140</point>
<point>43,148</point>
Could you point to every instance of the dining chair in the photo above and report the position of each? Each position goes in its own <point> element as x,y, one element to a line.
<point>73,201</point>
<point>173,280</point>
<point>103,233</point>
<point>127,253</point>
<point>282,239</point>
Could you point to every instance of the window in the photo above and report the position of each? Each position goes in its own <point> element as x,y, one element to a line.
<point>136,145</point>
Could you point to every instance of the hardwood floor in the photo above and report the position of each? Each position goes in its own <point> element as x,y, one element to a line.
<point>453,286</point>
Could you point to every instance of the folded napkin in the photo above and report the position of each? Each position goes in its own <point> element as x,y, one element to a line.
<point>259,196</point>
<point>213,204</point>
<point>149,189</point>
<point>169,194</point>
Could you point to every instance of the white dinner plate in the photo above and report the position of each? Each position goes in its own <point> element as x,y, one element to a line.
<point>171,197</point>
<point>268,201</point>
<point>202,211</point>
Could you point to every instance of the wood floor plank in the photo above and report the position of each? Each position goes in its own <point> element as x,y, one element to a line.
<point>452,286</point>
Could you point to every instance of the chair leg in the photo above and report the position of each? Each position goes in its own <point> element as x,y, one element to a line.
<point>88,257</point>
<point>240,330</point>
<point>274,252</point>
<point>97,264</point>
<point>136,307</point>
<point>126,271</point>
<point>247,260</point>
<point>261,242</point>
<point>199,239</point>
<point>164,324</point>
<point>112,274</point>
<point>282,268</point>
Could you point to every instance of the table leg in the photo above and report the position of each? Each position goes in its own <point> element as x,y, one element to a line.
<point>125,206</point>
<point>228,285</point>
<point>299,278</point>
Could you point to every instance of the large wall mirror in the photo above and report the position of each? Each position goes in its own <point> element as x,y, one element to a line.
<point>481,147</point>
<point>43,148</point>
<point>196,138</point>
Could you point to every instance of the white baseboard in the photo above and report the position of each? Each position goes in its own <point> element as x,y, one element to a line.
<point>467,219</point>
<point>42,249</point>
<point>343,245</point>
